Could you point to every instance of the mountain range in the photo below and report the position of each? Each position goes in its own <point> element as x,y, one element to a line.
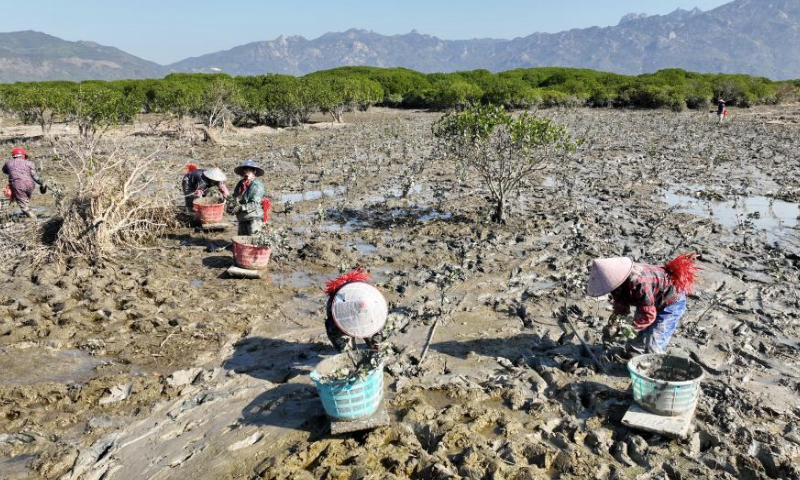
<point>757,37</point>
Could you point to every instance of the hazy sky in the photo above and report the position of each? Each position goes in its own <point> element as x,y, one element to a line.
<point>166,31</point>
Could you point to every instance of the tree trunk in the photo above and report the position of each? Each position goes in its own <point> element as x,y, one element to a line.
<point>208,137</point>
<point>500,211</point>
<point>338,114</point>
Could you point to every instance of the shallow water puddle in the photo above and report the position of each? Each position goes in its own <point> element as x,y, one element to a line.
<point>393,193</point>
<point>33,365</point>
<point>775,217</point>
<point>434,215</point>
<point>363,248</point>
<point>310,195</point>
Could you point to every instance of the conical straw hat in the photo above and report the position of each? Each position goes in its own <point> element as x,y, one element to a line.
<point>215,174</point>
<point>359,310</point>
<point>607,274</point>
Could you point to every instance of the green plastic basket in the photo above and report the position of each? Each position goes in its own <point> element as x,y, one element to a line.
<point>348,399</point>
<point>665,384</point>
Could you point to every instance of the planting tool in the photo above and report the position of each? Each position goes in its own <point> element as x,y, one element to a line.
<point>585,346</point>
<point>431,333</point>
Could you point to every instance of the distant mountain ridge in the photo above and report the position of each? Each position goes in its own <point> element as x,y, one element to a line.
<point>33,56</point>
<point>758,37</point>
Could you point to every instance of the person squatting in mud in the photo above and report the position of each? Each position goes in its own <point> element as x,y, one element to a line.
<point>249,198</point>
<point>354,309</point>
<point>21,178</point>
<point>198,181</point>
<point>657,293</point>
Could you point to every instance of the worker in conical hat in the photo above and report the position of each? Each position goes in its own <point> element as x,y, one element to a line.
<point>197,181</point>
<point>354,309</point>
<point>249,195</point>
<point>658,293</point>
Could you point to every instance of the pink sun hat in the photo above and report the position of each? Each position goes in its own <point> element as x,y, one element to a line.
<point>607,274</point>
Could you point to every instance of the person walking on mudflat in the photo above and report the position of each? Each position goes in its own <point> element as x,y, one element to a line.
<point>722,110</point>
<point>657,293</point>
<point>198,181</point>
<point>21,177</point>
<point>249,193</point>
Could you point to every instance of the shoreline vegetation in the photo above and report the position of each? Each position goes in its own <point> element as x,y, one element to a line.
<point>220,100</point>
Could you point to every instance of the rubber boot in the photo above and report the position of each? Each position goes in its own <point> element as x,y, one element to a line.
<point>29,213</point>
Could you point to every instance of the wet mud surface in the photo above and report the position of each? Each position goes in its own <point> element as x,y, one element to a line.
<point>157,365</point>
<point>668,368</point>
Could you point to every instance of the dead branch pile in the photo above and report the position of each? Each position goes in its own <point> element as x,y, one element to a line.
<point>118,202</point>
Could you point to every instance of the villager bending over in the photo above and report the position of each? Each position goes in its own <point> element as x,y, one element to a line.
<point>198,181</point>
<point>657,293</point>
<point>355,309</point>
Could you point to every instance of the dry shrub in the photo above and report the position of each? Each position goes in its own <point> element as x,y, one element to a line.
<point>118,201</point>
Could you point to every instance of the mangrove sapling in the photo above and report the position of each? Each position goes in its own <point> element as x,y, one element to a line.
<point>268,237</point>
<point>502,149</point>
<point>445,280</point>
<point>362,364</point>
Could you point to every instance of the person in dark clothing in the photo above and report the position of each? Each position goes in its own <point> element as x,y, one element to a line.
<point>197,181</point>
<point>722,110</point>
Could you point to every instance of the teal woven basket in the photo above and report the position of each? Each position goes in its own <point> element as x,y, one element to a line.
<point>665,384</point>
<point>348,400</point>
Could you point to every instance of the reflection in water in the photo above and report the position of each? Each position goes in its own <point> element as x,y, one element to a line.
<point>310,195</point>
<point>770,215</point>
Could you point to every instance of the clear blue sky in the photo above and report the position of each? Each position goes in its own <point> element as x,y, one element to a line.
<point>166,31</point>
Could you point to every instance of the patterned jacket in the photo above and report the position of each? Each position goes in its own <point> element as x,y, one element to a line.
<point>649,289</point>
<point>21,174</point>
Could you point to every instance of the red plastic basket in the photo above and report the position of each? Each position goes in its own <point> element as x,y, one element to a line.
<point>248,256</point>
<point>209,213</point>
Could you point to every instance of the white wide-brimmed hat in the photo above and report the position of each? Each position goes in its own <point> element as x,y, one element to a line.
<point>359,309</point>
<point>215,174</point>
<point>607,274</point>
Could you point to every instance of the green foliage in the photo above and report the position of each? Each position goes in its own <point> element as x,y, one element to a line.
<point>38,103</point>
<point>447,93</point>
<point>220,100</point>
<point>95,106</point>
<point>503,149</point>
<point>178,98</point>
<point>284,100</point>
<point>337,92</point>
